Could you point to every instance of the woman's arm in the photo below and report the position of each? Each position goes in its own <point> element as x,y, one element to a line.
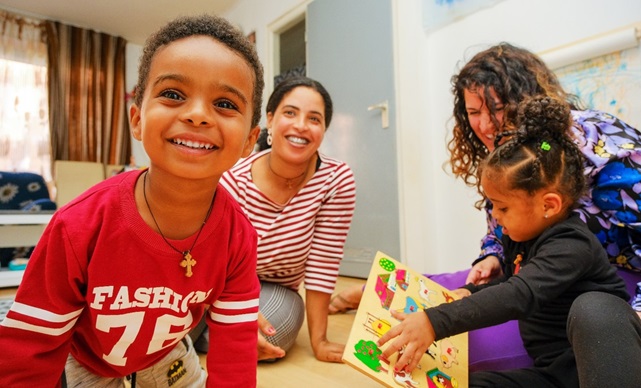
<point>612,150</point>
<point>333,221</point>
<point>489,264</point>
<point>317,306</point>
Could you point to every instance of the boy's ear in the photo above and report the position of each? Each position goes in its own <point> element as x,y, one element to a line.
<point>552,203</point>
<point>134,121</point>
<point>251,141</point>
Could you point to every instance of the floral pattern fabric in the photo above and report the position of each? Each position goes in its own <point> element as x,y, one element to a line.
<point>610,208</point>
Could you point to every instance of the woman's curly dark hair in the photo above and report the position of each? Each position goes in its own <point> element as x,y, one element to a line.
<point>540,154</point>
<point>215,27</point>
<point>514,74</point>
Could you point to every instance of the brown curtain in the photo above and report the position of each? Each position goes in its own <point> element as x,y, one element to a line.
<point>87,108</point>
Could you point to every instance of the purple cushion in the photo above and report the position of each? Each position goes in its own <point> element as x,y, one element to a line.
<point>631,280</point>
<point>500,347</point>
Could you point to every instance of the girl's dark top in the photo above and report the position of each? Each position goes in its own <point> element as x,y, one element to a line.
<point>565,261</point>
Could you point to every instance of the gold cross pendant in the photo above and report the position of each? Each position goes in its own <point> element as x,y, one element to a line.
<point>187,263</point>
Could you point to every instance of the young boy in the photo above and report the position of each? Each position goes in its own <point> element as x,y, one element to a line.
<point>127,269</point>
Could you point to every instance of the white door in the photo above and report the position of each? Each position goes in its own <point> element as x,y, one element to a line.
<point>349,50</point>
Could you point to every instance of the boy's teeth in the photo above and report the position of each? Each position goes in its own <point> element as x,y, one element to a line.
<point>193,144</point>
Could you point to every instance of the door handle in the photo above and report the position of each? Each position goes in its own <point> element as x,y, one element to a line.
<point>384,107</point>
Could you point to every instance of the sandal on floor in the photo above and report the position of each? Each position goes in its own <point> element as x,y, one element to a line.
<point>340,305</point>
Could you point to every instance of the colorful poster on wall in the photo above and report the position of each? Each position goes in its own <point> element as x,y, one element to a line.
<point>393,286</point>
<point>610,83</point>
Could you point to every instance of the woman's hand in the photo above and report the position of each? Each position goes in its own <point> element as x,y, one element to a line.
<point>267,351</point>
<point>484,271</point>
<point>411,338</point>
<point>329,351</point>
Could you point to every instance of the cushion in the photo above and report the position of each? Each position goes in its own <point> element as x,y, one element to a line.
<point>22,191</point>
<point>631,279</point>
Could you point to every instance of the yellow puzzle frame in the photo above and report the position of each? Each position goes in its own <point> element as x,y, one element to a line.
<point>393,286</point>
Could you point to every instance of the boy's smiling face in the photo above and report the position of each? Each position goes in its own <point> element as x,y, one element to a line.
<point>195,118</point>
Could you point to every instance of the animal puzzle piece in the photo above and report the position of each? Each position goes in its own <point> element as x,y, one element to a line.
<point>449,353</point>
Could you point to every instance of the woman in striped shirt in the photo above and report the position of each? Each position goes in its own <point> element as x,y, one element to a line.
<point>301,203</point>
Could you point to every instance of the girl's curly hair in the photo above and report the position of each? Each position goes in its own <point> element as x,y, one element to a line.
<point>540,153</point>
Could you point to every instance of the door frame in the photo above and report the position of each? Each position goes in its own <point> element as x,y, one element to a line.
<point>274,29</point>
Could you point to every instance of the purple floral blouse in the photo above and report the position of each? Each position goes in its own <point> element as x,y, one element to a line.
<point>611,205</point>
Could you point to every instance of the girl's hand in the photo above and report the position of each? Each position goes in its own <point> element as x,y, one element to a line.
<point>461,292</point>
<point>411,337</point>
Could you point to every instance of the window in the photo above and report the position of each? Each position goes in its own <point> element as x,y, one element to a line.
<point>24,113</point>
<point>24,118</point>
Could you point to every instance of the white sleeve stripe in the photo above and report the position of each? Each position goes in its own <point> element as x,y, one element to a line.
<point>236,305</point>
<point>234,318</point>
<point>10,322</point>
<point>44,315</point>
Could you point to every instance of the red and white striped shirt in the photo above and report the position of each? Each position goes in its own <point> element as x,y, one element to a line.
<point>303,239</point>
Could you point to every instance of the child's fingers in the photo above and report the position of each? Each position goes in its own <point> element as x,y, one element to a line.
<point>391,333</point>
<point>398,315</point>
<point>394,346</point>
<point>414,358</point>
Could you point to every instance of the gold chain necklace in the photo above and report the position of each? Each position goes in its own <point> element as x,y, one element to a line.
<point>288,181</point>
<point>187,261</point>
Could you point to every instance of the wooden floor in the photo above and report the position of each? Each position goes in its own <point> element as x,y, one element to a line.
<point>300,368</point>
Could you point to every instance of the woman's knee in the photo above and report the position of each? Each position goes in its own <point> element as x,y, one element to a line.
<point>285,310</point>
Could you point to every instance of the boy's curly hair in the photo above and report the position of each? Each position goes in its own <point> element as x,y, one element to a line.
<point>208,25</point>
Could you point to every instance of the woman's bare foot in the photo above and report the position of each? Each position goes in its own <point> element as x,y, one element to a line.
<point>346,300</point>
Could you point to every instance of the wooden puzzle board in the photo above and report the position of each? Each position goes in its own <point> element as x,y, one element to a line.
<point>393,286</point>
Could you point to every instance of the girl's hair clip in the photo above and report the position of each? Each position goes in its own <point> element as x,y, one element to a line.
<point>545,146</point>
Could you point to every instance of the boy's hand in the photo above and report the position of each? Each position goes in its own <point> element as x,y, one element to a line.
<point>266,350</point>
<point>413,336</point>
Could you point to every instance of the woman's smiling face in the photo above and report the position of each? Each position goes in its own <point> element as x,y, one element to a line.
<point>298,124</point>
<point>479,116</point>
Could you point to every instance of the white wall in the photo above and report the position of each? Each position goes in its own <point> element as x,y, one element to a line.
<point>442,227</point>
